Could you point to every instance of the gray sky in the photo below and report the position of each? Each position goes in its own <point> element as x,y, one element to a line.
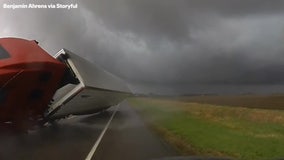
<point>164,45</point>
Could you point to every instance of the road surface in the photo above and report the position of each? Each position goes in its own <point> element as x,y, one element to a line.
<point>127,137</point>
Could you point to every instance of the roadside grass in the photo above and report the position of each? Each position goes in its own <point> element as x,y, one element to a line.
<point>211,130</point>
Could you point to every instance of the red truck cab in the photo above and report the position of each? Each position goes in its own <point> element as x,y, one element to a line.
<point>29,77</point>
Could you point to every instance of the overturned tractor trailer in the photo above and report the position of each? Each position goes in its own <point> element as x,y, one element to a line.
<point>36,87</point>
<point>88,88</point>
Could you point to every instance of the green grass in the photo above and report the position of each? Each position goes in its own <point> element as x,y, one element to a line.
<point>210,130</point>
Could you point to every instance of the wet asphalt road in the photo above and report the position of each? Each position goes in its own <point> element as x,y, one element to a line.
<point>72,139</point>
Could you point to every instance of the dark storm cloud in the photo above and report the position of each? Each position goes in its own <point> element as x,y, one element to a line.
<point>174,19</point>
<point>164,41</point>
<point>199,41</point>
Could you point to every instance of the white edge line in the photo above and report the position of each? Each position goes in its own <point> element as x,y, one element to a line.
<point>94,148</point>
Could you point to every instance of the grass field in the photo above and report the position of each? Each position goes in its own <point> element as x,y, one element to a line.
<point>214,130</point>
<point>250,101</point>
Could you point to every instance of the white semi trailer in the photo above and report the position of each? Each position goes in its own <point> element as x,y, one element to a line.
<point>87,88</point>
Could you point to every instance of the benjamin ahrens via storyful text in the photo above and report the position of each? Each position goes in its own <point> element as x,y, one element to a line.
<point>40,6</point>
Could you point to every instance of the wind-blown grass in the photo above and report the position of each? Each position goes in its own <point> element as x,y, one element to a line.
<point>212,130</point>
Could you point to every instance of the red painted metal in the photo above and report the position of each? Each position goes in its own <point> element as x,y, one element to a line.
<point>28,81</point>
